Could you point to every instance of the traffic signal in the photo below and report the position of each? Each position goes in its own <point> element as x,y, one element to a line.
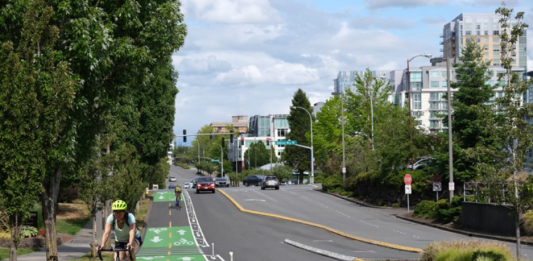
<point>223,142</point>
<point>184,135</point>
<point>242,141</point>
<point>231,136</point>
<point>268,141</point>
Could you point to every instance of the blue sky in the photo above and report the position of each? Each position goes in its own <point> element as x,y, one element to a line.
<point>248,57</point>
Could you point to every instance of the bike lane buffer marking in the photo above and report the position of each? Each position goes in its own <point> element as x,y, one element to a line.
<point>165,196</point>
<point>161,239</point>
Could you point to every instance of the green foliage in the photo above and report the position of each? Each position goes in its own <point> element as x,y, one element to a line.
<point>426,209</point>
<point>4,252</point>
<point>183,166</point>
<point>332,182</point>
<point>327,137</point>
<point>528,222</point>
<point>28,231</point>
<point>72,226</point>
<point>299,122</point>
<point>258,155</point>
<point>395,205</point>
<point>282,172</point>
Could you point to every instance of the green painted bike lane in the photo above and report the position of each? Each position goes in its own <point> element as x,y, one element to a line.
<point>166,196</point>
<point>165,243</point>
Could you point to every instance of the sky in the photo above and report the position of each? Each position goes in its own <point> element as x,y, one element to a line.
<point>249,57</point>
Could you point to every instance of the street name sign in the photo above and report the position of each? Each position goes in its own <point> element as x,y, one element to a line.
<point>286,142</point>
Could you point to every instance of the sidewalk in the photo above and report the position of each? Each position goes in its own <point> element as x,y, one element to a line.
<point>75,248</point>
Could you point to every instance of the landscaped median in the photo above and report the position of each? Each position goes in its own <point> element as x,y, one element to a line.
<point>338,232</point>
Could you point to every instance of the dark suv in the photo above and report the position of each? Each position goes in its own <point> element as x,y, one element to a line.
<point>253,180</point>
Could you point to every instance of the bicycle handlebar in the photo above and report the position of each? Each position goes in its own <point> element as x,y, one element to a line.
<point>117,250</point>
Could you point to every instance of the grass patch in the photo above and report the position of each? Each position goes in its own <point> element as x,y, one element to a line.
<point>4,252</point>
<point>466,250</point>
<point>141,214</point>
<point>70,226</point>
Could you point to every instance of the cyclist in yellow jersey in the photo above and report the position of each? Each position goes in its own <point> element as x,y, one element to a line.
<point>177,191</point>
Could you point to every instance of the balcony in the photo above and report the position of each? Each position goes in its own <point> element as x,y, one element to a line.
<point>441,36</point>
<point>441,43</point>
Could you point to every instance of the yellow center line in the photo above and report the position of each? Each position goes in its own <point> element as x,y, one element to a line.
<point>170,213</point>
<point>170,224</point>
<point>170,235</point>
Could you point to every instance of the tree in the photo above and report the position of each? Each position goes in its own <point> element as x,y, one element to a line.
<point>282,172</point>
<point>327,137</point>
<point>36,98</point>
<point>511,126</point>
<point>471,111</point>
<point>83,57</point>
<point>258,155</point>
<point>297,157</point>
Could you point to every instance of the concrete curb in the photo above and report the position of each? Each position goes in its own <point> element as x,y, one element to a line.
<point>338,232</point>
<point>321,251</point>
<point>466,233</point>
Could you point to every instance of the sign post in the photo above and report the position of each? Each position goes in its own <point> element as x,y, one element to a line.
<point>437,185</point>
<point>407,180</point>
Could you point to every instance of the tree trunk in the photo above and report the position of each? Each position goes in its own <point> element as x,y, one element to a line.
<point>15,227</point>
<point>517,226</point>
<point>301,177</point>
<point>94,242</point>
<point>49,201</point>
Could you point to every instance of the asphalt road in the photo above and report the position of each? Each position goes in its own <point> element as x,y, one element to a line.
<point>210,223</point>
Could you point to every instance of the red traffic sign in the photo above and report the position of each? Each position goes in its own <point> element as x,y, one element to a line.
<point>437,178</point>
<point>407,179</point>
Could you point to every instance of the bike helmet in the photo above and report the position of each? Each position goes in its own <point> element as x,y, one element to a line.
<point>119,205</point>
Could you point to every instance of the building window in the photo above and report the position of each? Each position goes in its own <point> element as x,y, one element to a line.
<point>486,32</point>
<point>282,132</point>
<point>444,84</point>
<point>496,62</point>
<point>496,47</point>
<point>434,124</point>
<point>444,74</point>
<point>417,101</point>
<point>496,53</point>
<point>434,84</point>
<point>434,74</point>
<point>468,33</point>
<point>478,40</point>
<point>478,26</point>
<point>496,32</point>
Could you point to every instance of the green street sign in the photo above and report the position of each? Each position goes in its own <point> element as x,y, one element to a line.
<point>286,142</point>
<point>215,160</point>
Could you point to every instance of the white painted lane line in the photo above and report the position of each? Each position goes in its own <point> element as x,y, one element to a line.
<point>193,221</point>
<point>320,251</point>
<point>341,213</point>
<point>265,196</point>
<point>221,258</point>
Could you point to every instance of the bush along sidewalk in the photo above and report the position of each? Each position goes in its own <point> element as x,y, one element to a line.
<point>441,211</point>
<point>467,250</point>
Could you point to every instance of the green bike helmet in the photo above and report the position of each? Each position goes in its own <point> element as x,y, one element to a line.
<point>119,205</point>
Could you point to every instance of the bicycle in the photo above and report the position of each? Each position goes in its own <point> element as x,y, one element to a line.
<point>178,201</point>
<point>117,252</point>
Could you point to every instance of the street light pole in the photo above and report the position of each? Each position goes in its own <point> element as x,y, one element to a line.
<point>410,114</point>
<point>343,151</point>
<point>450,140</point>
<point>312,155</point>
<point>197,142</point>
<point>221,159</point>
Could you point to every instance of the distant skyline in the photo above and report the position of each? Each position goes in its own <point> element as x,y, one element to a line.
<point>248,57</point>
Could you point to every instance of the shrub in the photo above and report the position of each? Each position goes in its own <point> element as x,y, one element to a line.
<point>183,165</point>
<point>528,222</point>
<point>467,250</point>
<point>395,205</point>
<point>28,232</point>
<point>426,208</point>
<point>332,182</point>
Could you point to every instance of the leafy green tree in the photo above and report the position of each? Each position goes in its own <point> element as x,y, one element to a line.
<point>297,157</point>
<point>282,172</point>
<point>511,126</point>
<point>258,155</point>
<point>327,137</point>
<point>36,98</point>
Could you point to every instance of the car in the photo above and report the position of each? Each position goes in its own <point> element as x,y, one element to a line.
<point>171,186</point>
<point>205,184</point>
<point>269,182</point>
<point>422,163</point>
<point>172,179</point>
<point>221,182</point>
<point>252,180</point>
<point>194,182</point>
<point>188,185</point>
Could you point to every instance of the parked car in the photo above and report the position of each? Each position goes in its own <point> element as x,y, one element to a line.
<point>269,182</point>
<point>205,184</point>
<point>221,182</point>
<point>252,180</point>
<point>171,186</point>
<point>421,163</point>
<point>172,179</point>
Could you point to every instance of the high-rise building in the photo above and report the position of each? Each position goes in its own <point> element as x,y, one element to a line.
<point>485,30</point>
<point>346,79</point>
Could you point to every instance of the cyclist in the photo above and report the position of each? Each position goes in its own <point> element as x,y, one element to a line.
<point>177,192</point>
<point>124,225</point>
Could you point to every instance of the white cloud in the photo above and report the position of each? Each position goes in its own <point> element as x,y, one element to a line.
<point>230,11</point>
<point>210,64</point>
<point>280,73</point>
<point>374,4</point>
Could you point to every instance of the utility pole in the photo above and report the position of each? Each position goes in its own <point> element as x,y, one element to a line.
<point>450,140</point>
<point>343,150</point>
